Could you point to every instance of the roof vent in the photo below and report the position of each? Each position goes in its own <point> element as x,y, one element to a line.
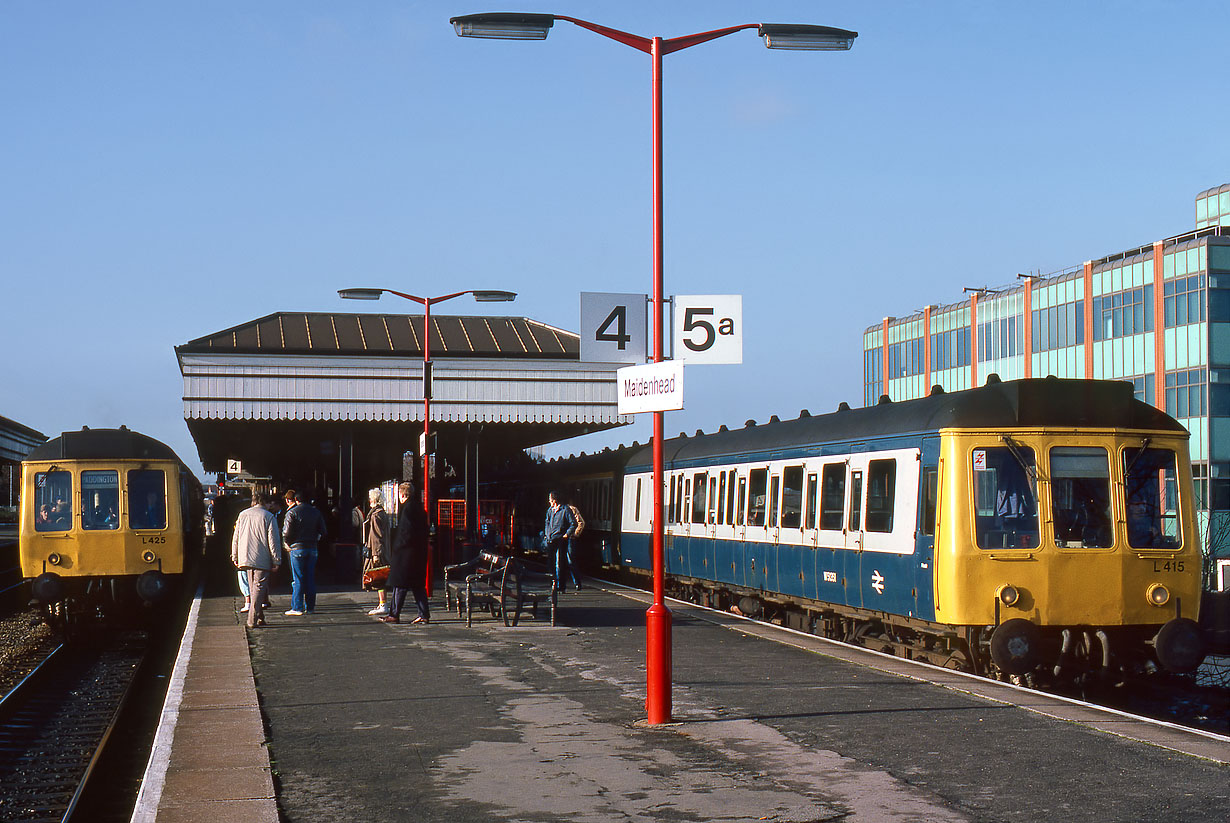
<point>773,418</point>
<point>843,406</point>
<point>884,400</point>
<point>747,424</point>
<point>722,428</point>
<point>123,428</point>
<point>993,379</point>
<point>804,413</point>
<point>937,389</point>
<point>700,432</point>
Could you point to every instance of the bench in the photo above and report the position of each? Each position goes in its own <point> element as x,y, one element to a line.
<point>505,585</point>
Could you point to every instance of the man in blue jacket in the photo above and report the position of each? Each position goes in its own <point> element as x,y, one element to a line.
<point>559,526</point>
<point>302,531</point>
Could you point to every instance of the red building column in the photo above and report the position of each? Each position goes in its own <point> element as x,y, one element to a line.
<point>1159,325</point>
<point>884,355</point>
<point>1029,326</point>
<point>1088,307</point>
<point>973,340</point>
<point>927,349</point>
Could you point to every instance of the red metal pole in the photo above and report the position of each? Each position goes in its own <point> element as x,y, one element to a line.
<point>658,617</point>
<point>427,434</point>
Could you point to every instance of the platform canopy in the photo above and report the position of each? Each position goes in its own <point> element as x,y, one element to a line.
<point>289,393</point>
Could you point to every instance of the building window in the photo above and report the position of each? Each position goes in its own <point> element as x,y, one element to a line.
<point>1123,314</point>
<point>1001,338</point>
<point>1058,327</point>
<point>906,358</point>
<point>1184,301</point>
<point>1144,388</point>
<point>873,375</point>
<point>1200,484</point>
<point>1185,393</point>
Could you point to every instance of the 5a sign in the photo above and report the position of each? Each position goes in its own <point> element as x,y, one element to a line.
<point>709,328</point>
<point>613,327</point>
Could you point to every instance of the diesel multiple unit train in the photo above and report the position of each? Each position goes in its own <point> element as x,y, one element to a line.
<point>110,519</point>
<point>1038,530</point>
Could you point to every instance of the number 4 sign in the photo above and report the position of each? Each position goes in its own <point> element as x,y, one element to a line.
<point>709,328</point>
<point>613,327</point>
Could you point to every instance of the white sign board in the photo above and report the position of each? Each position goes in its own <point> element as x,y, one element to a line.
<point>651,387</point>
<point>613,327</point>
<point>709,328</point>
<point>233,467</point>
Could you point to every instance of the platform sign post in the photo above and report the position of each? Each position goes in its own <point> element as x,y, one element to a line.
<point>614,328</point>
<point>709,328</point>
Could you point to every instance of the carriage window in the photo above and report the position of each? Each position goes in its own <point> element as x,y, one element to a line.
<point>931,479</point>
<point>100,500</point>
<point>792,497</point>
<point>813,490</point>
<point>730,499</point>
<point>698,498</point>
<point>670,506</point>
<point>833,496</point>
<point>147,499</point>
<point>756,497</point>
<point>53,494</point>
<point>1005,502</point>
<point>774,484</point>
<point>856,501</point>
<point>1080,497</point>
<point>742,506</point>
<point>881,487</point>
<point>721,506</point>
<point>712,499</point>
<point>1152,485</point>
<point>636,515</point>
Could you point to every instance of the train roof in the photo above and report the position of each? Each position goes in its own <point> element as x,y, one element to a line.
<point>104,444</point>
<point>1033,403</point>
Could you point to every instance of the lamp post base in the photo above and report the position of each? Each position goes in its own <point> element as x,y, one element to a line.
<point>658,664</point>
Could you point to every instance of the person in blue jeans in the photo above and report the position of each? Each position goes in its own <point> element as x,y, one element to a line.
<point>302,531</point>
<point>557,532</point>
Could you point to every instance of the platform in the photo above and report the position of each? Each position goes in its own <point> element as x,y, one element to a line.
<point>371,721</point>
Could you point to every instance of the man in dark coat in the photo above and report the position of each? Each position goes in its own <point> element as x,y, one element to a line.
<point>408,558</point>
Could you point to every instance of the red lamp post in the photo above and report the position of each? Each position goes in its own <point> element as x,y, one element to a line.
<point>519,26</point>
<point>482,296</point>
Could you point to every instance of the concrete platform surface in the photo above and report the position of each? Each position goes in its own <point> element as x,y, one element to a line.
<point>369,721</point>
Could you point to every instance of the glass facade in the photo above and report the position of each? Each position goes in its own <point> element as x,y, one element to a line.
<point>1162,324</point>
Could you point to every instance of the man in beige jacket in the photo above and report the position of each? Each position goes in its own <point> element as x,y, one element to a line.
<point>256,548</point>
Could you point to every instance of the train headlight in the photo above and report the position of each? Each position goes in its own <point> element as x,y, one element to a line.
<point>148,556</point>
<point>1008,595</point>
<point>54,559</point>
<point>1157,594</point>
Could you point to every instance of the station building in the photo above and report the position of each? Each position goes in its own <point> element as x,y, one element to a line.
<point>334,401</point>
<point>16,441</point>
<point>1157,315</point>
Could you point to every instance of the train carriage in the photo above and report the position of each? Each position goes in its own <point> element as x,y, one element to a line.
<point>1031,528</point>
<point>110,518</point>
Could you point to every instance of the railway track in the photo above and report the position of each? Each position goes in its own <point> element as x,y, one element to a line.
<point>55,724</point>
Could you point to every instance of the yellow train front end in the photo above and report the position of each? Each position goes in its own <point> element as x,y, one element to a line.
<point>100,533</point>
<point>1066,551</point>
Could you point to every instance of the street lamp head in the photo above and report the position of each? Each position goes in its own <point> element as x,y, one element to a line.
<point>360,294</point>
<point>490,296</point>
<point>806,38</point>
<point>504,25</point>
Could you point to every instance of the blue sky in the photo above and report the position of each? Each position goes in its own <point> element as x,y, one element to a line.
<point>172,169</point>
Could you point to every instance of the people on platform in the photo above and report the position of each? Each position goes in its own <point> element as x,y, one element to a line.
<point>558,528</point>
<point>408,559</point>
<point>574,541</point>
<point>376,545</point>
<point>256,548</point>
<point>302,530</point>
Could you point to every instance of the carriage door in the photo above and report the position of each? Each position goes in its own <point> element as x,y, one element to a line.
<point>854,540</point>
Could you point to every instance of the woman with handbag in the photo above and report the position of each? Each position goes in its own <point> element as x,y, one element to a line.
<point>376,546</point>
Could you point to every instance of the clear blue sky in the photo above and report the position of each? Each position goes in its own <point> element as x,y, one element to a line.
<point>171,169</point>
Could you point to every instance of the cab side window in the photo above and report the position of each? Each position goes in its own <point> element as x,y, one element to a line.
<point>147,499</point>
<point>53,494</point>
